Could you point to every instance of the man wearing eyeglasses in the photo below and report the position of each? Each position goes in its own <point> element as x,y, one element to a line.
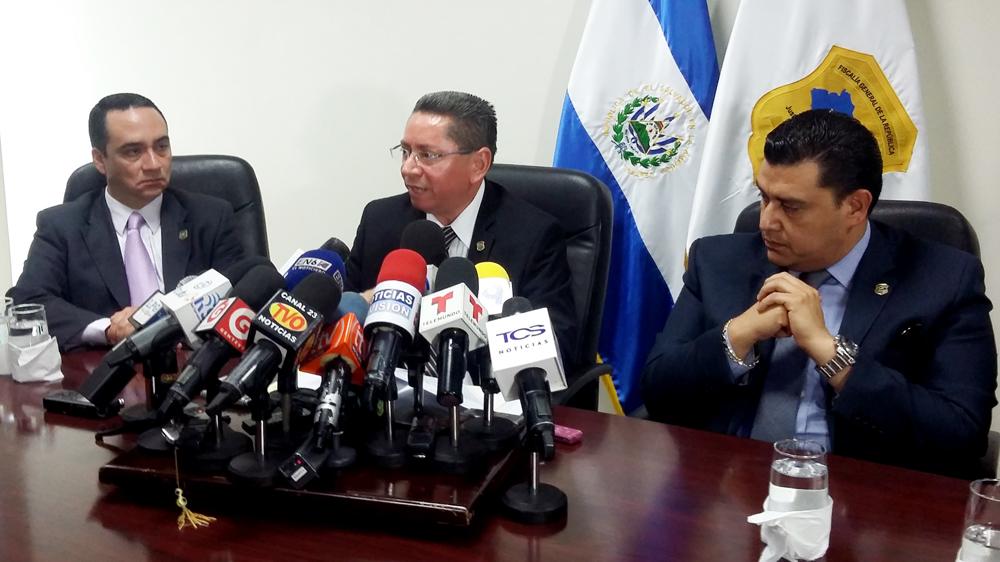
<point>448,145</point>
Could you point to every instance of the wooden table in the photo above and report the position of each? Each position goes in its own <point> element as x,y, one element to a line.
<point>638,490</point>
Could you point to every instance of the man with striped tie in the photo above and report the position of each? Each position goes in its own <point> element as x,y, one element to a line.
<point>96,258</point>
<point>448,146</point>
<point>829,326</point>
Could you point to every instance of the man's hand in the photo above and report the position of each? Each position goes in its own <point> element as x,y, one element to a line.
<point>805,315</point>
<point>120,328</point>
<point>367,295</point>
<point>755,324</point>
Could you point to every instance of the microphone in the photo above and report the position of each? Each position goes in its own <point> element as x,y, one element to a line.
<point>148,312</point>
<point>225,331</point>
<point>337,246</point>
<point>427,239</point>
<point>281,331</point>
<point>494,287</point>
<point>523,338</point>
<point>320,260</point>
<point>455,319</point>
<point>350,303</point>
<point>186,306</point>
<point>337,361</point>
<point>391,321</point>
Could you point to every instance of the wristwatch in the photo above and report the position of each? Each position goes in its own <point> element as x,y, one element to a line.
<point>847,351</point>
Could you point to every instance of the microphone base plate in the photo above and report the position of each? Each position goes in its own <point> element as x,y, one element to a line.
<point>341,457</point>
<point>546,505</point>
<point>249,469</point>
<point>467,457</point>
<point>388,454</point>
<point>500,436</point>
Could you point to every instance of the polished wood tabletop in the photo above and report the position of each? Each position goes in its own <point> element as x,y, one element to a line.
<point>638,490</point>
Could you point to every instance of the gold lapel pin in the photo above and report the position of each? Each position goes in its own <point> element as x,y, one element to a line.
<point>881,289</point>
<point>480,246</point>
<point>183,235</point>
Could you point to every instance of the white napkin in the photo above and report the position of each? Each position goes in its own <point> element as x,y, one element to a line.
<point>795,535</point>
<point>36,363</point>
<point>4,351</point>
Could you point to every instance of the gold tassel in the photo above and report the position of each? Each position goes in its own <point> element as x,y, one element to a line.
<point>187,517</point>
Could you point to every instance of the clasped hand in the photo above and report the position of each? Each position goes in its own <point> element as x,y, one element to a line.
<point>786,306</point>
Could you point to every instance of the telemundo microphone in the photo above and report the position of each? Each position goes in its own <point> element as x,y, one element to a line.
<point>186,306</point>
<point>453,319</point>
<point>337,359</point>
<point>225,330</point>
<point>281,332</point>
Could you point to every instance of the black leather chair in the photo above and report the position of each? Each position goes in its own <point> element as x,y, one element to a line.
<point>930,221</point>
<point>582,205</point>
<point>226,177</point>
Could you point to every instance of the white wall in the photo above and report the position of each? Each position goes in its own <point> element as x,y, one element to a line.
<point>313,93</point>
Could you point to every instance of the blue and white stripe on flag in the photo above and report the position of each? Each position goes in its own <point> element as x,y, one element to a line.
<point>635,116</point>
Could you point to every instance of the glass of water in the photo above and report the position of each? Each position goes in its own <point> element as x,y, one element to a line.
<point>27,325</point>
<point>981,540</point>
<point>799,479</point>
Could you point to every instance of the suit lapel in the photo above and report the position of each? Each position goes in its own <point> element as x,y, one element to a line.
<point>863,303</point>
<point>482,234</point>
<point>105,252</point>
<point>175,239</point>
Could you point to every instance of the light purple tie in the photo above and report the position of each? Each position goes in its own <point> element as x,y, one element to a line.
<point>142,279</point>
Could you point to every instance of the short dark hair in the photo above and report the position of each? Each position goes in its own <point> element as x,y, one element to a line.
<point>473,119</point>
<point>98,123</point>
<point>845,151</point>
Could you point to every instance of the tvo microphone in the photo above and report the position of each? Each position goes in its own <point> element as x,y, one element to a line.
<point>281,332</point>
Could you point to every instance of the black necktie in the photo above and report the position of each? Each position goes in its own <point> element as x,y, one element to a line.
<point>449,237</point>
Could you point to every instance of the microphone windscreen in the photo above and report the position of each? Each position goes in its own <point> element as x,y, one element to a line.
<point>239,269</point>
<point>320,292</point>
<point>353,302</point>
<point>491,269</point>
<point>258,285</point>
<point>337,246</point>
<point>516,305</point>
<point>457,270</point>
<point>316,261</point>
<point>406,266</point>
<point>425,238</point>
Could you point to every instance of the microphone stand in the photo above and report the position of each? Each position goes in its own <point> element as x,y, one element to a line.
<point>454,455</point>
<point>494,433</point>
<point>256,467</point>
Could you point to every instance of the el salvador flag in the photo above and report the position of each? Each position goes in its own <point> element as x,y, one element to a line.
<point>636,115</point>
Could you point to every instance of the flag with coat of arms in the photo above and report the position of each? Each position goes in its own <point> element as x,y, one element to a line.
<point>636,117</point>
<point>789,56</point>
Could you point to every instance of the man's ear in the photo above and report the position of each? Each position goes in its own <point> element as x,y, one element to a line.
<point>858,202</point>
<point>98,158</point>
<point>482,159</point>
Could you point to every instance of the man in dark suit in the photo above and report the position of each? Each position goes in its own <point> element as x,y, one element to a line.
<point>826,325</point>
<point>97,257</point>
<point>448,145</point>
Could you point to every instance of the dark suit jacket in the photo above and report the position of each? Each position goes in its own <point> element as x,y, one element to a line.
<point>525,240</point>
<point>74,266</point>
<point>922,389</point>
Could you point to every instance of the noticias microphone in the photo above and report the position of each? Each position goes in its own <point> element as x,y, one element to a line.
<point>186,306</point>
<point>391,321</point>
<point>338,359</point>
<point>225,331</point>
<point>281,330</point>
<point>527,365</point>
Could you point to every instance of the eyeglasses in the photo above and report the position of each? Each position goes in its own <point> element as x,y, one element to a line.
<point>424,157</point>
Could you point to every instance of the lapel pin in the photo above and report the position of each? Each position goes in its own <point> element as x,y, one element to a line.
<point>183,235</point>
<point>881,289</point>
<point>480,246</point>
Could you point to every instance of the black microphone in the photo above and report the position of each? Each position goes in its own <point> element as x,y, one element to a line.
<point>282,332</point>
<point>427,239</point>
<point>337,246</point>
<point>225,331</point>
